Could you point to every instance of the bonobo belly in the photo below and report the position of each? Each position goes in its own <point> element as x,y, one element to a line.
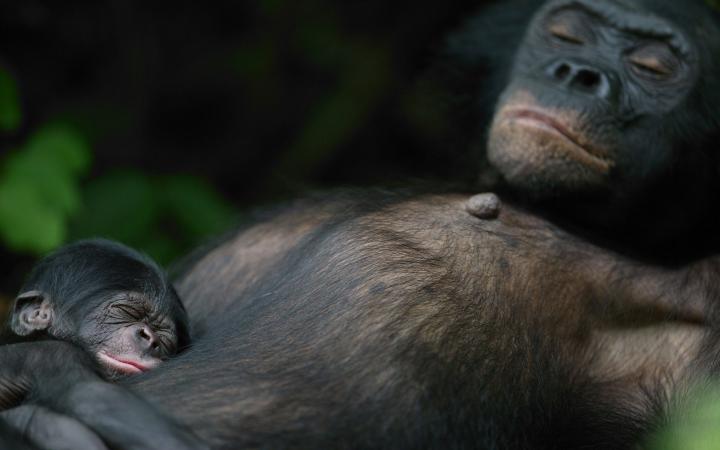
<point>414,322</point>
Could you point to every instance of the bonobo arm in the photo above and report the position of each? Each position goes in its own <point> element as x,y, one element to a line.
<point>47,430</point>
<point>62,377</point>
<point>11,438</point>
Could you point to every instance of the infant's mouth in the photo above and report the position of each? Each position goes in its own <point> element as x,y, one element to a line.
<point>126,366</point>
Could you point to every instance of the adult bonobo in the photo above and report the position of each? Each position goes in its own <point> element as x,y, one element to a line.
<point>385,321</point>
<point>609,115</point>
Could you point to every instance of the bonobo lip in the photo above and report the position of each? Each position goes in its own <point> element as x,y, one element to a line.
<point>541,119</point>
<point>122,365</point>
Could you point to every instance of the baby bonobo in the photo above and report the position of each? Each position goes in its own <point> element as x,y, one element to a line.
<point>91,312</point>
<point>106,298</point>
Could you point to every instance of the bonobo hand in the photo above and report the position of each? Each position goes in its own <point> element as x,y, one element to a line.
<point>48,430</point>
<point>83,411</point>
<point>124,420</point>
<point>484,206</point>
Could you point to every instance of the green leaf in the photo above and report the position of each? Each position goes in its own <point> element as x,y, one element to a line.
<point>61,147</point>
<point>121,206</point>
<point>161,247</point>
<point>694,426</point>
<point>196,206</point>
<point>51,163</point>
<point>161,216</point>
<point>10,115</point>
<point>26,223</point>
<point>57,190</point>
<point>40,189</point>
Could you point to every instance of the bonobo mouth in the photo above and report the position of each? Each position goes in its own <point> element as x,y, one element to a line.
<point>122,365</point>
<point>539,119</point>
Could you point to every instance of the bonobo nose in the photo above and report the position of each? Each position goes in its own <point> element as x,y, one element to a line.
<point>148,341</point>
<point>580,78</point>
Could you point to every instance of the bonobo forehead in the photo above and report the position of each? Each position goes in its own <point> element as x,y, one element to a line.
<point>82,275</point>
<point>655,18</point>
<point>638,17</point>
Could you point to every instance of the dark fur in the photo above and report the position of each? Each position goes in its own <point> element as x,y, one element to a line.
<point>408,323</point>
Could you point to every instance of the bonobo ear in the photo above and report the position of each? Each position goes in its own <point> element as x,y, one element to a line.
<point>32,312</point>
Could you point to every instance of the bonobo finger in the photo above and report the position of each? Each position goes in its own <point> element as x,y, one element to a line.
<point>484,206</point>
<point>48,430</point>
<point>11,438</point>
<point>124,420</point>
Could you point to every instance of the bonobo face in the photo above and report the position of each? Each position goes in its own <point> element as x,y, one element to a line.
<point>594,100</point>
<point>128,334</point>
<point>112,301</point>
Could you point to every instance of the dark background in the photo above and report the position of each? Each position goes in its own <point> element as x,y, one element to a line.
<point>221,106</point>
<point>160,123</point>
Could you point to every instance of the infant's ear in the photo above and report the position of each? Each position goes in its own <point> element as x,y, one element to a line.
<point>32,311</point>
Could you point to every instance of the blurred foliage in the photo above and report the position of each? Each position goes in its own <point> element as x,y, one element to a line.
<point>339,114</point>
<point>358,71</point>
<point>40,190</point>
<point>42,202</point>
<point>694,425</point>
<point>9,103</point>
<point>163,216</point>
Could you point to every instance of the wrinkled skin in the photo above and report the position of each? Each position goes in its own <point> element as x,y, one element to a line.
<point>129,334</point>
